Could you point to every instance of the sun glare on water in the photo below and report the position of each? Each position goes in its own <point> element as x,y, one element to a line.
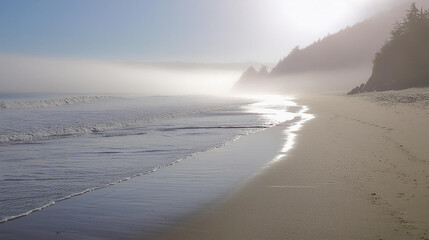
<point>273,108</point>
<point>277,109</point>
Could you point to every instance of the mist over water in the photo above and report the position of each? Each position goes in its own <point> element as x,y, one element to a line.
<point>80,116</point>
<point>66,150</point>
<point>31,74</point>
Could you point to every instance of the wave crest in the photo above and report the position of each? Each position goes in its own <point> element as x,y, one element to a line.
<point>73,131</point>
<point>9,104</point>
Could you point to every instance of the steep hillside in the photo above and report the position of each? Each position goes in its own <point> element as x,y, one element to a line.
<point>352,48</point>
<point>349,47</point>
<point>403,61</point>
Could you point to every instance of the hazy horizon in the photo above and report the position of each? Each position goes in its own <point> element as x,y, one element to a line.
<point>183,30</point>
<point>214,119</point>
<point>86,46</point>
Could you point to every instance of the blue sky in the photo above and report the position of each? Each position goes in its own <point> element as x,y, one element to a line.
<point>174,30</point>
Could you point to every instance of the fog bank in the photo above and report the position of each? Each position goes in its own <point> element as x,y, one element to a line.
<point>56,75</point>
<point>311,82</point>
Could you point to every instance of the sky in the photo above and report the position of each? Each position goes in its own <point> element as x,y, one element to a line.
<point>174,30</point>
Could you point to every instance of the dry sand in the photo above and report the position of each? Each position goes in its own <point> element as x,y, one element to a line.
<point>359,170</point>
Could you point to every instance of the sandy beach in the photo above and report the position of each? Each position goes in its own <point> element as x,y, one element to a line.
<point>214,120</point>
<point>359,170</point>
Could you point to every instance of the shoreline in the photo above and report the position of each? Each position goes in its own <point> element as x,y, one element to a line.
<point>358,171</point>
<point>148,204</point>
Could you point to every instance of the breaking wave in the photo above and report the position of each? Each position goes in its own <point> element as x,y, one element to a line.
<point>29,136</point>
<point>9,104</point>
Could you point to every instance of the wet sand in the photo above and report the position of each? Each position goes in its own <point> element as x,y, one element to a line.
<point>359,170</point>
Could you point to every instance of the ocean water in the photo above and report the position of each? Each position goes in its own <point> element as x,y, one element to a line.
<point>53,148</point>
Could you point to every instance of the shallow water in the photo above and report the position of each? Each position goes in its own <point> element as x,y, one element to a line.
<point>52,152</point>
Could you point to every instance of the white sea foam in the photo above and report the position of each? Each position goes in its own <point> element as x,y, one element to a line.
<point>71,131</point>
<point>52,102</point>
<point>184,133</point>
<point>51,203</point>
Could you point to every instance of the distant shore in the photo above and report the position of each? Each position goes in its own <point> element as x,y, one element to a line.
<point>359,170</point>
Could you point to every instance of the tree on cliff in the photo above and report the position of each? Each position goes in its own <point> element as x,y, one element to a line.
<point>403,61</point>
